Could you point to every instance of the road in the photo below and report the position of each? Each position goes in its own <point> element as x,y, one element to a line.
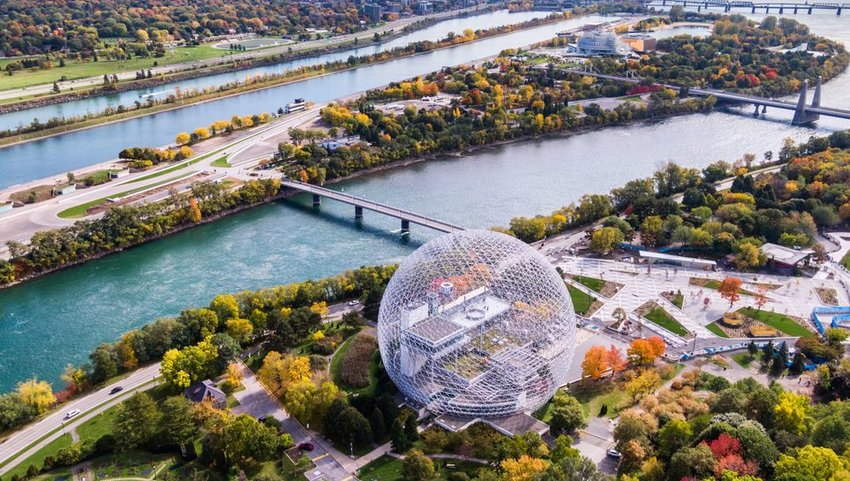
<point>366,36</point>
<point>21,223</point>
<point>90,405</point>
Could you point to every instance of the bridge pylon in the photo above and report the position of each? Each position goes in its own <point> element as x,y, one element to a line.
<point>801,115</point>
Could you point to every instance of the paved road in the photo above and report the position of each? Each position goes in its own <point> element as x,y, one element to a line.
<point>21,223</point>
<point>89,405</point>
<point>365,35</point>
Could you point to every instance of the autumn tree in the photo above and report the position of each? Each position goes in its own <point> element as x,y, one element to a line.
<point>524,468</point>
<point>605,239</point>
<point>182,138</point>
<point>616,361</point>
<point>36,394</point>
<point>595,362</point>
<point>282,371</point>
<point>647,351</point>
<point>180,368</point>
<point>729,289</point>
<point>417,467</point>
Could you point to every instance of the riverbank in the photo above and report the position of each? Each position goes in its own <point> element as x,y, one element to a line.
<point>276,80</point>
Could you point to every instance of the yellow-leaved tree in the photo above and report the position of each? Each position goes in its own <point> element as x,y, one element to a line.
<point>37,394</point>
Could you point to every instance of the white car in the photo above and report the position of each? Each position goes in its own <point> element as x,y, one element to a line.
<point>614,453</point>
<point>72,413</point>
<point>354,302</point>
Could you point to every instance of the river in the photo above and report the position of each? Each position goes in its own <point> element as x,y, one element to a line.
<point>55,155</point>
<point>58,319</point>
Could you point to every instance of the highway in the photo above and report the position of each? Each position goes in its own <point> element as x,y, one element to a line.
<point>54,425</point>
<point>366,36</point>
<point>21,223</point>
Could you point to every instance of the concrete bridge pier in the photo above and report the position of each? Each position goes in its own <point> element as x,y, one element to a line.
<point>810,10</point>
<point>838,12</point>
<point>801,115</point>
<point>763,109</point>
<point>358,212</point>
<point>756,111</point>
<point>405,227</point>
<point>795,10</point>
<point>781,9</point>
<point>317,200</point>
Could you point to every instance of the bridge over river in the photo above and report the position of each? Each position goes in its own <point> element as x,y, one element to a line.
<point>803,113</point>
<point>768,6</point>
<point>360,203</point>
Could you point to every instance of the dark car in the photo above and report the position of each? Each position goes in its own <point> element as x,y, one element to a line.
<point>305,446</point>
<point>116,390</point>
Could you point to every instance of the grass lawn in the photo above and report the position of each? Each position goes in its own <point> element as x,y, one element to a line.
<point>780,322</point>
<point>37,458</point>
<point>581,300</point>
<point>594,394</point>
<point>715,284</point>
<point>660,317</point>
<point>220,162</point>
<point>387,468</point>
<point>678,300</point>
<point>590,282</point>
<point>74,69</point>
<point>99,425</point>
<point>714,328</point>
<point>744,359</point>
<point>845,261</point>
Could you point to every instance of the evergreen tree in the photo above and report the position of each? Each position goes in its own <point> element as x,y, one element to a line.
<point>398,438</point>
<point>379,429</point>
<point>410,431</point>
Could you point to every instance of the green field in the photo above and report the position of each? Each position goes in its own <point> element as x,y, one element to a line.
<point>780,322</point>
<point>336,362</point>
<point>94,428</point>
<point>744,359</point>
<point>591,283</point>
<point>845,261</point>
<point>678,300</point>
<point>581,300</point>
<point>662,318</point>
<point>713,327</point>
<point>220,162</point>
<point>74,69</point>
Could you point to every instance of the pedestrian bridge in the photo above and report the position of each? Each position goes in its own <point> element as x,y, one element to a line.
<point>360,203</point>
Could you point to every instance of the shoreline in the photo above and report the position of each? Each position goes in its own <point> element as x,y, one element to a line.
<point>366,172</point>
<point>224,95</point>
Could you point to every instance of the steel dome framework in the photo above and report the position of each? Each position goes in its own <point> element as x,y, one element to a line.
<point>477,324</point>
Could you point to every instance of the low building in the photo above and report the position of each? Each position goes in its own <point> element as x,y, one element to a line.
<point>785,259</point>
<point>206,390</point>
<point>64,189</point>
<point>374,12</point>
<point>337,142</point>
<point>640,42</point>
<point>594,44</point>
<point>423,8</point>
<point>674,260</point>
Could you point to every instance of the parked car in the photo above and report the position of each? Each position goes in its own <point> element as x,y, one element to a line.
<point>116,390</point>
<point>306,447</point>
<point>354,302</point>
<point>614,453</point>
<point>71,413</point>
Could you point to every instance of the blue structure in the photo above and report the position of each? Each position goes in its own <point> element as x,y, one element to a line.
<point>840,317</point>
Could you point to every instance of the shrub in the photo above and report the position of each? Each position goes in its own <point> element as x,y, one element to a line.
<point>354,370</point>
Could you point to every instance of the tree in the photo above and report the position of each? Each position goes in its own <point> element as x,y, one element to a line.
<point>605,239</point>
<point>411,431</point>
<point>14,412</point>
<point>182,138</point>
<point>729,289</point>
<point>793,412</point>
<point>104,363</point>
<point>244,438</point>
<point>201,133</point>
<point>674,436</point>
<point>177,424</point>
<point>567,414</point>
<point>180,368</point>
<point>398,439</point>
<point>417,467</point>
<point>832,432</point>
<point>353,428</point>
<point>646,382</point>
<point>692,463</point>
<point>37,394</point>
<point>811,464</point>
<point>595,362</point>
<point>280,372</point>
<point>240,329</point>
<point>225,307</point>
<point>523,468</point>
<point>616,361</point>
<point>647,351</point>
<point>136,422</point>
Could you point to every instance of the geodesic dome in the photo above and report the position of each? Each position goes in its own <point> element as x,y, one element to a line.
<point>477,324</point>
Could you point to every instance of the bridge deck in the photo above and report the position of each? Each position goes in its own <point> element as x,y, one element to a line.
<point>412,217</point>
<point>727,96</point>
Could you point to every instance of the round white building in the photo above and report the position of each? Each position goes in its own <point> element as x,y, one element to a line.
<point>477,324</point>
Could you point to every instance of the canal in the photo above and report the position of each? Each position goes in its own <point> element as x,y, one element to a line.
<point>56,320</point>
<point>55,155</point>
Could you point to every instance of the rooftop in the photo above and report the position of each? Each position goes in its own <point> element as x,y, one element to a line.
<point>785,255</point>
